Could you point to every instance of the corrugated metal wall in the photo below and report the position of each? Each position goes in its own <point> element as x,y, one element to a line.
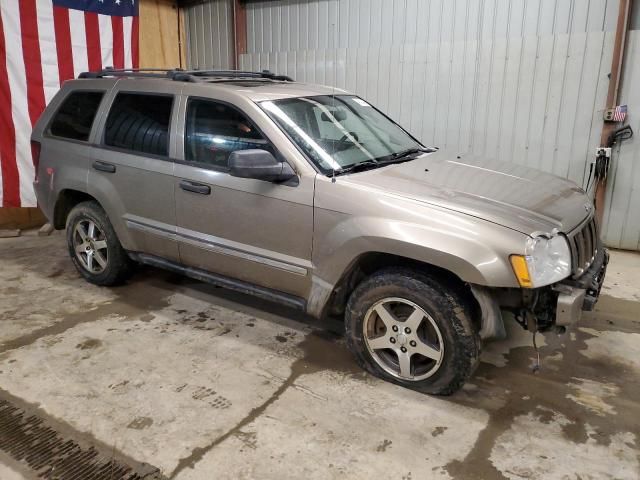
<point>209,28</point>
<point>622,216</point>
<point>519,80</point>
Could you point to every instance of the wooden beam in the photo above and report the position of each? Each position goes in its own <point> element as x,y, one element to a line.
<point>15,217</point>
<point>239,30</point>
<point>182,37</point>
<point>10,233</point>
<point>160,43</point>
<point>45,230</point>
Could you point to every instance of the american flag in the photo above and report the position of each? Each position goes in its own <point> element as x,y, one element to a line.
<point>620,113</point>
<point>42,44</point>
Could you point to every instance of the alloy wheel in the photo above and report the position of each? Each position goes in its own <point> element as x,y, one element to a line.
<point>90,246</point>
<point>403,339</point>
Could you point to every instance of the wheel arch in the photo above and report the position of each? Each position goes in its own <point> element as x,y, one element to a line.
<point>368,263</point>
<point>67,199</point>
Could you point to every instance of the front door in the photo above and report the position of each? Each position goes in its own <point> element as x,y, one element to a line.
<point>254,231</point>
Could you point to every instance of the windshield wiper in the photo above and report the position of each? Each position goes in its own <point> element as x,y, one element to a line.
<point>398,157</point>
<point>411,151</point>
<point>358,167</point>
<point>370,165</point>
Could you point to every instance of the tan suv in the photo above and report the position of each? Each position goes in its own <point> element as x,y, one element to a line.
<point>311,197</point>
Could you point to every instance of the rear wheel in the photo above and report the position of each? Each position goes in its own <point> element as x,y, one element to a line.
<point>413,330</point>
<point>94,247</point>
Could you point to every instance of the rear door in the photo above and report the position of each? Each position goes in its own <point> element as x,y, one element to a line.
<point>132,170</point>
<point>65,137</point>
<point>251,230</point>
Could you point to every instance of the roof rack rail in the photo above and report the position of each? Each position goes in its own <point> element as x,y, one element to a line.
<point>127,72</point>
<point>266,74</point>
<point>180,75</point>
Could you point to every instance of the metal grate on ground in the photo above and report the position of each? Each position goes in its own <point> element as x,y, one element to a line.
<point>30,440</point>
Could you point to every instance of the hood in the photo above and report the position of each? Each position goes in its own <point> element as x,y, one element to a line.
<point>512,195</point>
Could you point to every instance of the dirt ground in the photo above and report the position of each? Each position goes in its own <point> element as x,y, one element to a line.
<point>200,383</point>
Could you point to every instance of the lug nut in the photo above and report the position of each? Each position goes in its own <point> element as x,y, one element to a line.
<point>403,349</point>
<point>392,340</point>
<point>394,328</point>
<point>412,343</point>
<point>407,330</point>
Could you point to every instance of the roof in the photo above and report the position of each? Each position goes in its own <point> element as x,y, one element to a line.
<point>257,86</point>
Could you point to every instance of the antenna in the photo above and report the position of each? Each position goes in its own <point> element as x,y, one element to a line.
<point>333,93</point>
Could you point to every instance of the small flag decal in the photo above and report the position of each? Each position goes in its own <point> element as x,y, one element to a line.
<point>620,113</point>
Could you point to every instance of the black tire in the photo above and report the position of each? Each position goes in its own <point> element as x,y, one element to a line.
<point>448,309</point>
<point>119,266</point>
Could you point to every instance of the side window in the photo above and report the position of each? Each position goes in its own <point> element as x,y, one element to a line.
<point>214,130</point>
<point>75,116</point>
<point>140,123</point>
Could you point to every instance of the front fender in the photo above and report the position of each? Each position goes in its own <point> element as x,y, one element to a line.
<point>474,250</point>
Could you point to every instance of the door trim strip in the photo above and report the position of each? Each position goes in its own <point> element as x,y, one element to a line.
<point>217,246</point>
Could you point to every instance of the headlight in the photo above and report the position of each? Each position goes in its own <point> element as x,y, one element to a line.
<point>547,260</point>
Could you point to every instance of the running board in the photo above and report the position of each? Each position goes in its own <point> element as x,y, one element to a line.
<point>222,281</point>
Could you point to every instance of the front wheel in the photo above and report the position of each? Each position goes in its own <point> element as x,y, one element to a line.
<point>408,328</point>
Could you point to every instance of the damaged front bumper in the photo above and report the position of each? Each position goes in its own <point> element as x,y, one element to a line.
<point>557,305</point>
<point>581,294</point>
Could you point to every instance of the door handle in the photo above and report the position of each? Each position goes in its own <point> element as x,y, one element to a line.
<point>195,187</point>
<point>104,167</point>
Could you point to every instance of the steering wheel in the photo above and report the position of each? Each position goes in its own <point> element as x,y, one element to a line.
<point>344,140</point>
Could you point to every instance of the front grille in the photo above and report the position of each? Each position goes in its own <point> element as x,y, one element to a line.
<point>583,243</point>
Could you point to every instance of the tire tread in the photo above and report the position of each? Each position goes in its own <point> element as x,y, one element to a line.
<point>448,301</point>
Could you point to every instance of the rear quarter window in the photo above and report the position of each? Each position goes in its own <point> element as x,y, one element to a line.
<point>140,123</point>
<point>75,116</point>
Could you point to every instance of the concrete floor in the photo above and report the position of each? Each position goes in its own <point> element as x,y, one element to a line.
<point>204,383</point>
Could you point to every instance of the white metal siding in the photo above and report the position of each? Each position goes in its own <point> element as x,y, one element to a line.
<point>523,81</point>
<point>519,80</point>
<point>622,215</point>
<point>210,34</point>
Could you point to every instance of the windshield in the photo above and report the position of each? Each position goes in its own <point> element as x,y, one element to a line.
<point>338,132</point>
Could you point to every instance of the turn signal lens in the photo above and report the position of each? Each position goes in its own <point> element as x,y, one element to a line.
<point>520,268</point>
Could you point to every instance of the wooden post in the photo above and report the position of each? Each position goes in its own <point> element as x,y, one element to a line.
<point>239,31</point>
<point>182,38</point>
<point>612,94</point>
<point>160,42</point>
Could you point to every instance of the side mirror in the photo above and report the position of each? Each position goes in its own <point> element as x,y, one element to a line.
<point>259,165</point>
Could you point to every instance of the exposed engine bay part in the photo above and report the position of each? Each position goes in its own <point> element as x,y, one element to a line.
<point>536,310</point>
